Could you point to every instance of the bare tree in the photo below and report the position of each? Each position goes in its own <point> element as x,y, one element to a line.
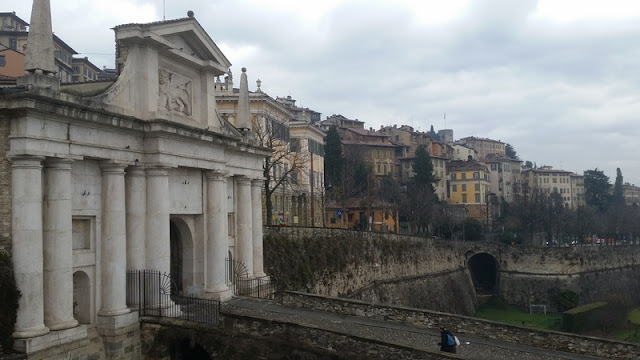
<point>286,164</point>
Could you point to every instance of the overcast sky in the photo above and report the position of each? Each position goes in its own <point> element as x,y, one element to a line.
<point>557,79</point>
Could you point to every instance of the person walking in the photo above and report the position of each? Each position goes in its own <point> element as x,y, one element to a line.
<point>447,340</point>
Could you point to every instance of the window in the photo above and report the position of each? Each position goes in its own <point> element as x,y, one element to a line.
<point>454,188</point>
<point>3,61</point>
<point>464,187</point>
<point>464,176</point>
<point>464,198</point>
<point>476,175</point>
<point>477,198</point>
<point>453,176</point>
<point>477,187</point>
<point>493,167</point>
<point>13,44</point>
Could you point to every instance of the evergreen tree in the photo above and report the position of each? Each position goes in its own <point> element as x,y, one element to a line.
<point>527,165</point>
<point>511,152</point>
<point>597,188</point>
<point>423,168</point>
<point>618,193</point>
<point>333,159</point>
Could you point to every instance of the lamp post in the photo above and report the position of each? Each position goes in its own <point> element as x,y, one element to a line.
<point>486,200</point>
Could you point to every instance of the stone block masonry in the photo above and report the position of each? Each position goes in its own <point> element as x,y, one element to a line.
<point>553,340</point>
<point>5,187</point>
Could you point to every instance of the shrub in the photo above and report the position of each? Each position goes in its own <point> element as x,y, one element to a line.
<point>9,295</point>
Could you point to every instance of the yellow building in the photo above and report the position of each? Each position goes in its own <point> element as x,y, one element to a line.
<point>356,214</point>
<point>469,185</point>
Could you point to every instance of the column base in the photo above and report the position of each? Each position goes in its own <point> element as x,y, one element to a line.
<point>113,325</point>
<point>31,332</point>
<point>67,324</point>
<point>52,339</point>
<point>114,312</point>
<point>261,275</point>
<point>220,295</point>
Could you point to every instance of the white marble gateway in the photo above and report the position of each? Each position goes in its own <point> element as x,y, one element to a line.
<point>107,176</point>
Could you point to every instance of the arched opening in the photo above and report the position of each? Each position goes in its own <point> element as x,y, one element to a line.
<point>182,257</point>
<point>484,272</point>
<point>81,297</point>
<point>187,349</point>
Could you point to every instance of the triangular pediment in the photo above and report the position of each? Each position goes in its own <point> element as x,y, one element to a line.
<point>182,38</point>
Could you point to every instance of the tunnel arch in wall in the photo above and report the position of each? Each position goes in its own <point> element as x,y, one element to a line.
<point>484,271</point>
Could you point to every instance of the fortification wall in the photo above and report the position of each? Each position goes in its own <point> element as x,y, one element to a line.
<point>462,325</point>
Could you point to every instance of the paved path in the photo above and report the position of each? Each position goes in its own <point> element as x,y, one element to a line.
<point>423,339</point>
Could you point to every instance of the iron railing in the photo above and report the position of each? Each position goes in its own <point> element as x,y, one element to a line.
<point>238,280</point>
<point>150,292</point>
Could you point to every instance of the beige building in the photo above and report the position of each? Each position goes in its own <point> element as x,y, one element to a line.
<point>551,180</point>
<point>631,194</point>
<point>11,63</point>
<point>504,172</point>
<point>296,168</point>
<point>463,153</point>
<point>84,70</point>
<point>483,146</point>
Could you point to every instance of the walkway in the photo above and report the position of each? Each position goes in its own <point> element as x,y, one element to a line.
<point>417,338</point>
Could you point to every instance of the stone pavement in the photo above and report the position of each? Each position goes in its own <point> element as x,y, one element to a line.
<point>399,334</point>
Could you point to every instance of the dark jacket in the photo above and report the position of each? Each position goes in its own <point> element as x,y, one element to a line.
<point>444,342</point>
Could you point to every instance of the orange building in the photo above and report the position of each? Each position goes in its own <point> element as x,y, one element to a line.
<point>11,63</point>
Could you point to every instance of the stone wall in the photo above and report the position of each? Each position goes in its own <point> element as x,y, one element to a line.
<point>462,325</point>
<point>249,338</point>
<point>393,273</point>
<point>450,291</point>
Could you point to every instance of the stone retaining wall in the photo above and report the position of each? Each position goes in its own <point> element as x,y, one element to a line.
<point>242,337</point>
<point>461,325</point>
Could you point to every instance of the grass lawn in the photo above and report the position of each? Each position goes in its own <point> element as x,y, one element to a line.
<point>497,310</point>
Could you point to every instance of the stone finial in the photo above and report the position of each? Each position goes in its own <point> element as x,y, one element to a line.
<point>190,13</point>
<point>244,112</point>
<point>39,58</point>
<point>258,84</point>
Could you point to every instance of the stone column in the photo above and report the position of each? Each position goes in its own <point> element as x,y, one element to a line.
<point>244,239</point>
<point>158,244</point>
<point>256,219</point>
<point>58,246</point>
<point>136,200</point>
<point>27,248</point>
<point>113,241</point>
<point>217,235</point>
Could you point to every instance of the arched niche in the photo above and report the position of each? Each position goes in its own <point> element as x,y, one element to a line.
<point>81,297</point>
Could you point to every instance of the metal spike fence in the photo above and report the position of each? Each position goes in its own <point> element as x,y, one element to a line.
<point>237,278</point>
<point>150,292</point>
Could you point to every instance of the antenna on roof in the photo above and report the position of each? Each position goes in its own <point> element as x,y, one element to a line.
<point>445,120</point>
<point>164,10</point>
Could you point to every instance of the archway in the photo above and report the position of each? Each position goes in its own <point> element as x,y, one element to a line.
<point>484,272</point>
<point>182,256</point>
<point>81,297</point>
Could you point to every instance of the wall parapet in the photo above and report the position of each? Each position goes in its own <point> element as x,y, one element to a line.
<point>553,340</point>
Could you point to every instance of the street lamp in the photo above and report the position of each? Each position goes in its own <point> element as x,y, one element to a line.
<point>486,200</point>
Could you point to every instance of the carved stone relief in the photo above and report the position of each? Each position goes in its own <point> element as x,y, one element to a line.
<point>175,93</point>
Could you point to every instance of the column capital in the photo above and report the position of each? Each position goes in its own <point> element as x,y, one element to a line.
<point>112,167</point>
<point>135,171</point>
<point>158,171</point>
<point>58,163</point>
<point>216,174</point>
<point>242,179</point>
<point>26,161</point>
<point>257,181</point>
